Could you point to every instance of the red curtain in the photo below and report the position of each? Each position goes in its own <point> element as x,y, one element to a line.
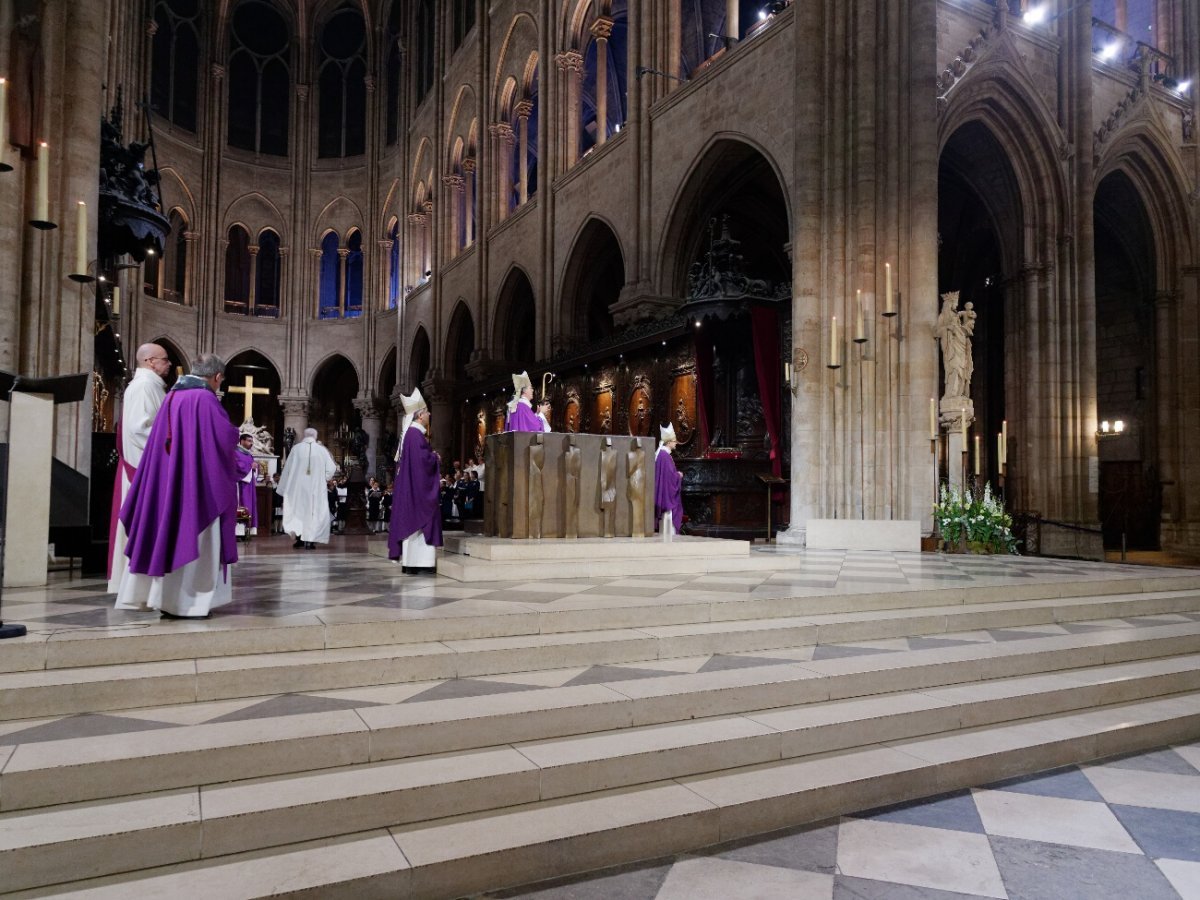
<point>704,386</point>
<point>764,332</point>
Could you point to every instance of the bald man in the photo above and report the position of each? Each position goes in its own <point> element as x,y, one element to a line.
<point>303,486</point>
<point>139,405</point>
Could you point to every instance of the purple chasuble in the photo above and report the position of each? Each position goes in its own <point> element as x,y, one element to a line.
<point>244,462</point>
<point>667,490</point>
<point>523,419</point>
<point>415,494</point>
<point>185,483</point>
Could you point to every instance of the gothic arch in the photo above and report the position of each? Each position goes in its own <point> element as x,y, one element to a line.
<point>730,166</point>
<point>460,341</point>
<point>255,212</point>
<point>592,278</point>
<point>387,210</point>
<point>515,317</point>
<point>341,214</point>
<point>513,60</point>
<point>324,361</point>
<point>387,374</point>
<point>177,193</point>
<point>420,359</point>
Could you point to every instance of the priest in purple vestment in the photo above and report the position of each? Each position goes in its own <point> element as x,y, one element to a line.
<point>668,484</point>
<point>247,469</point>
<point>416,526</point>
<point>521,416</point>
<point>182,505</point>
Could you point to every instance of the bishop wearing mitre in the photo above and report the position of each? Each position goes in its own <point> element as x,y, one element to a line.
<point>415,530</point>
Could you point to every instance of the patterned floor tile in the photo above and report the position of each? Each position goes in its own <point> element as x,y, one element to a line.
<point>1152,789</point>
<point>638,882</point>
<point>85,725</point>
<point>955,812</point>
<point>1184,876</point>
<point>1033,870</point>
<point>607,674</point>
<point>467,687</point>
<point>714,878</point>
<point>1069,783</point>
<point>1079,823</point>
<point>720,662</point>
<point>848,888</point>
<point>812,847</point>
<point>841,651</point>
<point>1162,832</point>
<point>1166,761</point>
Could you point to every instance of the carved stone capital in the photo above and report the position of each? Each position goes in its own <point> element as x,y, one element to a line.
<point>151,28</point>
<point>469,165</point>
<point>315,252</point>
<point>417,219</point>
<point>294,407</point>
<point>502,132</point>
<point>302,92</point>
<point>602,28</point>
<point>427,206</point>
<point>369,83</point>
<point>217,71</point>
<point>253,248</point>
<point>343,252</point>
<point>368,408</point>
<point>571,60</point>
<point>385,244</point>
<point>190,236</point>
<point>524,109</point>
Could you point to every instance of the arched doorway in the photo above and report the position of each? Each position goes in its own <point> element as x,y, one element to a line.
<point>331,410</point>
<point>1130,502</point>
<point>251,367</point>
<point>592,283</point>
<point>980,222</point>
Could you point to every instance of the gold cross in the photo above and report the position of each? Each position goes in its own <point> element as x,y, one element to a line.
<point>248,390</point>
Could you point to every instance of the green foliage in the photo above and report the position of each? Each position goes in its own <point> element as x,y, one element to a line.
<point>977,516</point>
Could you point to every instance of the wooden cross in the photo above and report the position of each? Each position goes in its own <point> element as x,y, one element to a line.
<point>248,390</point>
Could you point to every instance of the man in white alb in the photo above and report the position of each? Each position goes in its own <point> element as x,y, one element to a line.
<point>305,492</point>
<point>139,405</point>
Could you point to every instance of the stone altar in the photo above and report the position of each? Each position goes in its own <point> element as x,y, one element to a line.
<point>579,483</point>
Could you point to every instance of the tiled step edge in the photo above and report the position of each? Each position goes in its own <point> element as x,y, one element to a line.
<point>56,772</point>
<point>474,852</point>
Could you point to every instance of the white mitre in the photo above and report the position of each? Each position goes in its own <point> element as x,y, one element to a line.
<point>667,433</point>
<point>413,403</point>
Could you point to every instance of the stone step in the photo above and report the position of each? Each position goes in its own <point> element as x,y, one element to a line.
<point>68,771</point>
<point>99,688</point>
<point>469,569</point>
<point>162,642</point>
<point>566,552</point>
<point>514,842</point>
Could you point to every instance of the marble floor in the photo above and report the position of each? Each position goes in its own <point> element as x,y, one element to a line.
<point>1125,828</point>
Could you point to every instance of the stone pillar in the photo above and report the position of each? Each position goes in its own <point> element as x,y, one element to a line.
<point>295,415</point>
<point>416,269</point>
<point>427,243</point>
<point>384,273</point>
<point>731,22</point>
<point>524,110</point>
<point>372,423</point>
<point>441,410</point>
<point>191,243</point>
<point>343,255</point>
<point>253,279</point>
<point>468,167</point>
<point>502,136</point>
<point>570,64</point>
<point>601,30</point>
<point>284,273</point>
<point>454,194</point>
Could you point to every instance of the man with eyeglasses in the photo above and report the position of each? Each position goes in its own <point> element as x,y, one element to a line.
<point>139,405</point>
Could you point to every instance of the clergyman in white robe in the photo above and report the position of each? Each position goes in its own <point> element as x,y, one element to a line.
<point>139,405</point>
<point>304,487</point>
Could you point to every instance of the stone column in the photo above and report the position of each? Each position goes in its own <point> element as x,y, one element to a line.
<point>314,253</point>
<point>731,22</point>
<point>384,274</point>
<point>441,409</point>
<point>295,415</point>
<point>502,136</point>
<point>454,193</point>
<point>570,64</point>
<point>468,167</point>
<point>191,241</point>
<point>253,279</point>
<point>601,30</point>
<point>372,423</point>
<point>285,272</point>
<point>524,110</point>
<point>343,255</point>
<point>427,244</point>
<point>416,222</point>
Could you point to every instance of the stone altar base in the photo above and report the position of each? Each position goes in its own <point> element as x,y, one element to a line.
<point>864,534</point>
<point>472,558</point>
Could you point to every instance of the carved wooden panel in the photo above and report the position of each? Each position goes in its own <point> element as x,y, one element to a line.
<point>603,411</point>
<point>571,414</point>
<point>683,406</point>
<point>639,409</point>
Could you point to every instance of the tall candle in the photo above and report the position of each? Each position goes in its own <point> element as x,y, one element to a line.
<point>860,331</point>
<point>43,186</point>
<point>116,300</point>
<point>1000,449</point>
<point>933,429</point>
<point>3,117</point>
<point>1004,431</point>
<point>833,343</point>
<point>888,306</point>
<point>81,236</point>
<point>976,454</point>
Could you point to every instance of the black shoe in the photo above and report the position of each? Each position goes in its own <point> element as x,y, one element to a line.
<point>299,543</point>
<point>310,546</point>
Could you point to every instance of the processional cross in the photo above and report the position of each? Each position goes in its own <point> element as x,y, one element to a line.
<point>248,390</point>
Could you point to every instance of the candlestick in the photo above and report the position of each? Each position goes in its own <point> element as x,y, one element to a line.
<point>116,300</point>
<point>860,330</point>
<point>4,167</point>
<point>977,454</point>
<point>889,301</point>
<point>933,429</point>
<point>81,240</point>
<point>41,216</point>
